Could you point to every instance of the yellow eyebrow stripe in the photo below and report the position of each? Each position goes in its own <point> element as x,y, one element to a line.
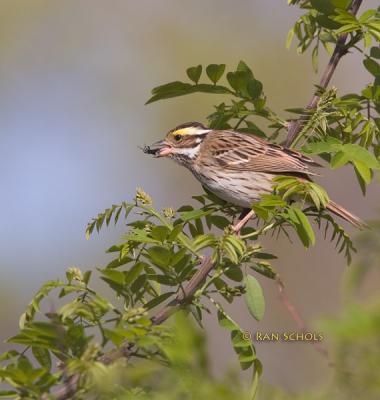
<point>184,131</point>
<point>188,131</point>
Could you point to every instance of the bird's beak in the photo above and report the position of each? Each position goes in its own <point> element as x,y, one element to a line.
<point>158,149</point>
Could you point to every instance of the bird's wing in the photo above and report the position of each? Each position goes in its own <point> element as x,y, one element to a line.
<point>242,152</point>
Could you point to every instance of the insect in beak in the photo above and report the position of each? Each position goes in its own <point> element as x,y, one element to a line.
<point>158,149</point>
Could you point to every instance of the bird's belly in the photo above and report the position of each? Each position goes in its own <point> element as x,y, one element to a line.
<point>238,188</point>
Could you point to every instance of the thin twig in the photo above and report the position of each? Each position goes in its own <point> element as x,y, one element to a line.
<point>67,391</point>
<point>339,51</point>
<point>301,324</point>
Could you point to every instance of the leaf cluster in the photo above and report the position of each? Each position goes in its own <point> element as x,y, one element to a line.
<point>246,91</point>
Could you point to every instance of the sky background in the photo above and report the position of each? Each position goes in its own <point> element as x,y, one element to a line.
<point>74,77</point>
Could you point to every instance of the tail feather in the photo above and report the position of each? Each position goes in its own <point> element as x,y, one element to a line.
<point>346,215</point>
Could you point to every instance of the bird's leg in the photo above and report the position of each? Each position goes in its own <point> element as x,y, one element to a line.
<point>245,218</point>
<point>244,212</point>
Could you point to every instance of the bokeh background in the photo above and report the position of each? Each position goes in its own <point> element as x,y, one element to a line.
<point>74,77</point>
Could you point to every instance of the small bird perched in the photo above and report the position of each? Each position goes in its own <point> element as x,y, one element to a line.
<point>237,167</point>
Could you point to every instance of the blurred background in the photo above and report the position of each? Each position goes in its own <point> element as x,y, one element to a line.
<point>74,77</point>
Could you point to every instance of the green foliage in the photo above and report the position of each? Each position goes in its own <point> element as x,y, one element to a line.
<point>157,256</point>
<point>248,99</point>
<point>189,376</point>
<point>254,297</point>
<point>326,20</point>
<point>113,346</point>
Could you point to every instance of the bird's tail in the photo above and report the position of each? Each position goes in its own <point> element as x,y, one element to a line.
<point>345,214</point>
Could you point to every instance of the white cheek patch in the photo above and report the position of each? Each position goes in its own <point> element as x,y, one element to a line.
<point>189,152</point>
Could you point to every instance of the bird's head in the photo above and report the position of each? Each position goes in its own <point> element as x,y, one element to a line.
<point>181,143</point>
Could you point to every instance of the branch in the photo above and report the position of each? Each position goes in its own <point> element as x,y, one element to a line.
<point>70,387</point>
<point>301,325</point>
<point>339,51</point>
<point>187,293</point>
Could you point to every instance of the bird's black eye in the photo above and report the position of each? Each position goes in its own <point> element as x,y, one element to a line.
<point>177,138</point>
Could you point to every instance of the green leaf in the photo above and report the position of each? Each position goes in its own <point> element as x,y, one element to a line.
<point>375,32</point>
<point>213,89</point>
<point>254,297</point>
<point>194,214</point>
<point>175,232</point>
<point>138,283</point>
<point>114,276</point>
<point>318,195</point>
<point>239,81</point>
<point>242,66</point>
<point>42,355</point>
<point>265,256</point>
<point>257,371</point>
<point>265,269</point>
<point>33,306</point>
<point>272,200</point>
<point>367,15</point>
<point>202,241</point>
<point>134,272</point>
<point>289,38</point>
<point>157,300</point>
<point>363,171</point>
<point>253,128</point>
<point>116,336</point>
<point>8,355</point>
<point>327,22</point>
<point>37,333</point>
<point>140,236</point>
<point>314,58</point>
<point>159,256</point>
<point>341,4</point>
<point>118,262</point>
<point>323,6</point>
<point>246,358</point>
<point>234,273</point>
<point>367,39</point>
<point>339,159</point>
<point>243,347</point>
<point>169,90</point>
<point>302,226</point>
<point>255,88</point>
<point>292,190</point>
<point>194,73</point>
<point>330,145</point>
<point>219,221</point>
<point>160,233</point>
<point>375,52</point>
<point>231,252</point>
<point>8,394</point>
<point>345,17</point>
<point>87,277</point>
<point>226,322</point>
<point>163,279</point>
<point>215,72</point>
<point>177,259</point>
<point>260,211</point>
<point>356,152</point>
<point>372,66</point>
<point>347,28</point>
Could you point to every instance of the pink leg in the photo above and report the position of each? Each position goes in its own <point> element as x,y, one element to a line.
<point>236,228</point>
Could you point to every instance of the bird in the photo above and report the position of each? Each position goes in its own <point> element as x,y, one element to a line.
<point>238,167</point>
